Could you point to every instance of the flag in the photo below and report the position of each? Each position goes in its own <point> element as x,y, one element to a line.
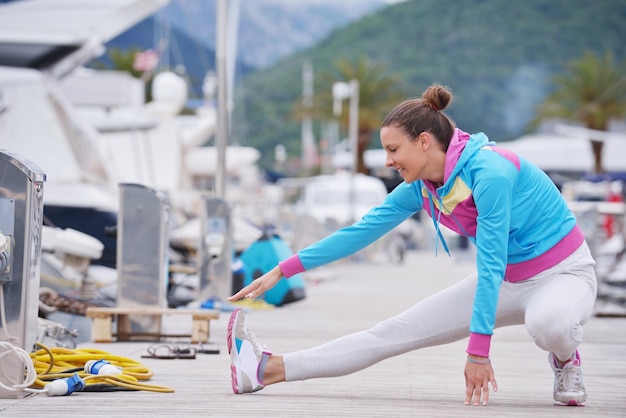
<point>146,60</point>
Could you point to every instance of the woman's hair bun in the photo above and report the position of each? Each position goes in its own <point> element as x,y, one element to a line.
<point>437,97</point>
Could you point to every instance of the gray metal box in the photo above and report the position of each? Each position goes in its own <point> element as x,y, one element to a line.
<point>21,218</point>
<point>142,253</point>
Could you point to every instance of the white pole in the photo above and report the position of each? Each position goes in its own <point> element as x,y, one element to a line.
<point>221,137</point>
<point>353,132</point>
<point>342,91</point>
<point>309,151</point>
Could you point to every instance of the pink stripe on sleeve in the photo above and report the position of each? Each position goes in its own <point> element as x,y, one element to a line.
<point>291,266</point>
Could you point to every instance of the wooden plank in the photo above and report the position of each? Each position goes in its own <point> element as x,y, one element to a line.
<point>101,329</point>
<point>103,321</point>
<point>149,310</point>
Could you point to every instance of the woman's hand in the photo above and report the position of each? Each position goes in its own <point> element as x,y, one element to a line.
<point>259,285</point>
<point>478,375</point>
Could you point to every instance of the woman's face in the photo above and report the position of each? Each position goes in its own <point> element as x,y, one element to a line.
<point>404,154</point>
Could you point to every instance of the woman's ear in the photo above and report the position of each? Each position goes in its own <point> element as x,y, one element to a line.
<point>424,140</point>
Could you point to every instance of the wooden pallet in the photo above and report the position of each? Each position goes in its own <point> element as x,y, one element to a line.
<point>102,321</point>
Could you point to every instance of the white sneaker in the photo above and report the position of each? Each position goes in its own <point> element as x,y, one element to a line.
<point>569,387</point>
<point>247,356</point>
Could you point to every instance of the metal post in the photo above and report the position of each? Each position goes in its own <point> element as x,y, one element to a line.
<point>354,123</point>
<point>309,150</point>
<point>142,253</point>
<point>342,91</point>
<point>354,143</point>
<point>221,138</point>
<point>215,250</point>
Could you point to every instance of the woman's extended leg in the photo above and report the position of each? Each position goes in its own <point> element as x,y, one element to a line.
<point>439,319</point>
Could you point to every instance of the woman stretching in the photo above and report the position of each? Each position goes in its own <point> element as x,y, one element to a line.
<point>533,264</point>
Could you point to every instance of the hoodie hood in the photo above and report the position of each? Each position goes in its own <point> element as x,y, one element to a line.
<point>460,150</point>
<point>462,147</point>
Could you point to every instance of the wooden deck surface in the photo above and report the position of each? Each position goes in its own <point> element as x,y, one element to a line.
<point>347,297</point>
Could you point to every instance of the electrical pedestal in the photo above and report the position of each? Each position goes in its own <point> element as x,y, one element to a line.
<point>142,254</point>
<point>215,249</point>
<point>21,215</point>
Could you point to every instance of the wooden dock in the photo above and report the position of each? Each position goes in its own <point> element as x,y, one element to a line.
<point>343,298</point>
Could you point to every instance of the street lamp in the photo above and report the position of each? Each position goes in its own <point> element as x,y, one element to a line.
<point>343,91</point>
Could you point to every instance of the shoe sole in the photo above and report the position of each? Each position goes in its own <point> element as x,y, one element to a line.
<point>234,375</point>
<point>570,403</point>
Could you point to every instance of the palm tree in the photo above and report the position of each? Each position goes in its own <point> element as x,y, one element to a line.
<point>591,92</point>
<point>378,92</point>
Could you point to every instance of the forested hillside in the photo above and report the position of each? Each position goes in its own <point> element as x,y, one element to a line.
<point>264,31</point>
<point>498,57</point>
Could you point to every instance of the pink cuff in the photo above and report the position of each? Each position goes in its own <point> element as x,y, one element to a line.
<point>479,344</point>
<point>291,266</point>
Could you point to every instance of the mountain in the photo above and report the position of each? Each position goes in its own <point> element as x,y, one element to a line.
<point>497,56</point>
<point>264,31</point>
<point>267,29</point>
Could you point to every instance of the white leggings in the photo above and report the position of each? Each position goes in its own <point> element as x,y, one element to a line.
<point>553,305</point>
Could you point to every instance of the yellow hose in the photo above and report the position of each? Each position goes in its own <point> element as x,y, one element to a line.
<point>55,362</point>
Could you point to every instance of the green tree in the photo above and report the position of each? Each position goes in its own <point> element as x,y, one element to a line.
<point>119,59</point>
<point>378,93</point>
<point>591,92</point>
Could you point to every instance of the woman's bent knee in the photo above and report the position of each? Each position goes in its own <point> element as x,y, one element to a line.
<point>558,333</point>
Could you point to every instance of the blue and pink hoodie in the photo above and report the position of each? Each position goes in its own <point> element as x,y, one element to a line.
<point>506,206</point>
